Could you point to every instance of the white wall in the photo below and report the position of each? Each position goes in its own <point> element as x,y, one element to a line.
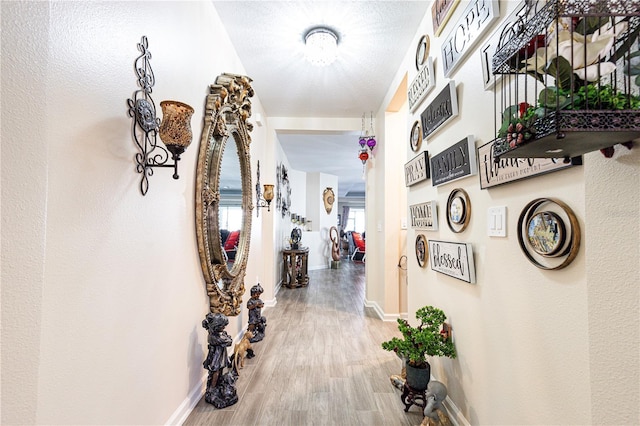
<point>103,295</point>
<point>534,346</point>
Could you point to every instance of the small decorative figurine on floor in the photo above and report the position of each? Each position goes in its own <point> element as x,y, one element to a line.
<point>434,412</point>
<point>240,349</point>
<point>257,322</point>
<point>221,387</point>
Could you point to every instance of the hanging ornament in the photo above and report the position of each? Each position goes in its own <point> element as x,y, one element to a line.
<point>364,156</point>
<point>371,141</point>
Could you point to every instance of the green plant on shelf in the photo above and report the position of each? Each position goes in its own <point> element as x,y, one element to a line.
<point>426,339</point>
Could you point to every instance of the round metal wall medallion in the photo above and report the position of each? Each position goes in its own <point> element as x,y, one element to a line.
<point>422,51</point>
<point>416,137</point>
<point>458,210</point>
<point>421,250</point>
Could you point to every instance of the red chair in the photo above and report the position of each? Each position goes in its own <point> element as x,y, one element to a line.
<point>359,253</point>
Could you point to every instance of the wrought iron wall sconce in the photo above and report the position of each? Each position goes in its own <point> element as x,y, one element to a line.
<point>263,199</point>
<point>174,131</point>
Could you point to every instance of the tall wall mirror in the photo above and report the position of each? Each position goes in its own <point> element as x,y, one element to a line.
<point>223,192</point>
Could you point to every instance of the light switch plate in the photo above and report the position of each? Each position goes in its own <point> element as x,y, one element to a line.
<point>497,221</point>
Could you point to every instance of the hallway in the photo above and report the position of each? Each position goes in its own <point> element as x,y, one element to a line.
<point>319,363</point>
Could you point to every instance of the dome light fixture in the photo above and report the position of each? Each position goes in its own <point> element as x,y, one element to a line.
<point>321,46</point>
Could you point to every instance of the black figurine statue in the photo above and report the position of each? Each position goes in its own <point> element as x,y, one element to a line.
<point>257,322</point>
<point>221,387</point>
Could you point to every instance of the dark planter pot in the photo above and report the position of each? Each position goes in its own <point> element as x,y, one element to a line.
<point>418,378</point>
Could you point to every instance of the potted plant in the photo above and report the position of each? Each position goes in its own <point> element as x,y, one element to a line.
<point>427,339</point>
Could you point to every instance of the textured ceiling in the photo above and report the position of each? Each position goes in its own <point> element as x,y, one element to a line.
<point>373,38</point>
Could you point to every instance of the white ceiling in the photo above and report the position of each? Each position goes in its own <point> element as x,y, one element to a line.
<point>373,36</point>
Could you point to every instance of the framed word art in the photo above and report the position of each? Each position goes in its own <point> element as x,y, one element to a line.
<point>417,169</point>
<point>456,162</point>
<point>476,19</point>
<point>441,11</point>
<point>518,16</point>
<point>453,259</point>
<point>508,170</point>
<point>442,109</point>
<point>424,216</point>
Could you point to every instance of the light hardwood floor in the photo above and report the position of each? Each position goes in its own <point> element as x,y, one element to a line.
<point>320,362</point>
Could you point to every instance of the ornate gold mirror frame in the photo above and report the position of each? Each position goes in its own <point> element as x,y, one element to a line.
<point>225,119</point>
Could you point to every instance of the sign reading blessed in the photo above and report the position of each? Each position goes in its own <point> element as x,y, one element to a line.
<point>455,162</point>
<point>512,169</point>
<point>417,169</point>
<point>453,259</point>
<point>440,13</point>
<point>421,85</point>
<point>424,216</point>
<point>443,108</point>
<point>475,20</point>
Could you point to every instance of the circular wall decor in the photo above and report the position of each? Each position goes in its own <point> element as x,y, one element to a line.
<point>415,139</point>
<point>543,235</point>
<point>422,51</point>
<point>421,250</point>
<point>458,210</point>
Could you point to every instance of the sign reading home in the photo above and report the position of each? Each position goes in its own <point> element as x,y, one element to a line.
<point>421,85</point>
<point>508,170</point>
<point>476,19</point>
<point>417,169</point>
<point>441,11</point>
<point>424,216</point>
<point>442,109</point>
<point>453,259</point>
<point>456,162</point>
<point>489,48</point>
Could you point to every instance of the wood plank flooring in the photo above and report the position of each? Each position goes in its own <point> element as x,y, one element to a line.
<point>320,362</point>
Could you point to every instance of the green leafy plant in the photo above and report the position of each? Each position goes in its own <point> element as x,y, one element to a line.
<point>424,340</point>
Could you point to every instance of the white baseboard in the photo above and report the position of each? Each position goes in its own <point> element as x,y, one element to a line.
<point>455,415</point>
<point>379,312</point>
<point>182,412</point>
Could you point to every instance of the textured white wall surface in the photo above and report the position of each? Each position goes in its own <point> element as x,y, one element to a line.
<point>103,295</point>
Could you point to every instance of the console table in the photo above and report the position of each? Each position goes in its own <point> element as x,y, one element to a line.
<point>294,267</point>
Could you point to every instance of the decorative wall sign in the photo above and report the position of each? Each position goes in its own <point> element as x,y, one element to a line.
<point>328,197</point>
<point>417,169</point>
<point>415,138</point>
<point>442,109</point>
<point>544,236</point>
<point>421,85</point>
<point>441,11</point>
<point>422,51</point>
<point>421,250</point>
<point>476,19</point>
<point>424,216</point>
<point>458,210</point>
<point>456,162</point>
<point>453,259</point>
<point>489,48</point>
<point>508,170</point>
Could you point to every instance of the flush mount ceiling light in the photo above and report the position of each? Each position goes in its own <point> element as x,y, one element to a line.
<point>321,46</point>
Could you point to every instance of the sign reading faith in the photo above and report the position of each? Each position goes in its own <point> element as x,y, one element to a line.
<point>442,109</point>
<point>489,48</point>
<point>421,85</point>
<point>512,169</point>
<point>455,162</point>
<point>453,259</point>
<point>424,216</point>
<point>476,19</point>
<point>441,11</point>
<point>417,169</point>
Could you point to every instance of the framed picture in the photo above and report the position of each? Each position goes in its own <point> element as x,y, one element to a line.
<point>415,139</point>
<point>422,51</point>
<point>421,250</point>
<point>441,11</point>
<point>458,210</point>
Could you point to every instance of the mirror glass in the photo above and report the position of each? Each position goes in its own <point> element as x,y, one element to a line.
<point>223,192</point>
